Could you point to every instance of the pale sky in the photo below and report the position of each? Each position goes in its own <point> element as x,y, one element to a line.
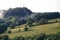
<point>34,5</point>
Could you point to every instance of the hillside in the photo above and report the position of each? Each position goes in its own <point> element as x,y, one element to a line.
<point>23,22</point>
<point>36,30</point>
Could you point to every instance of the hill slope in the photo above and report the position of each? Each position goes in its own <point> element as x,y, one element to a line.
<point>36,30</point>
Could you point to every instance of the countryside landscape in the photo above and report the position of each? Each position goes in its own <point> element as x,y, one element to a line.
<point>21,23</point>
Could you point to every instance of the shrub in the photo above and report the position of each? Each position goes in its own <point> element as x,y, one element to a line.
<point>19,30</point>
<point>4,37</point>
<point>19,38</point>
<point>41,37</point>
<point>29,22</point>
<point>8,30</point>
<point>26,29</point>
<point>43,21</point>
<point>56,20</point>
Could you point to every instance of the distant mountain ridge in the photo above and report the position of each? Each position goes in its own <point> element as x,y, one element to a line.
<point>23,12</point>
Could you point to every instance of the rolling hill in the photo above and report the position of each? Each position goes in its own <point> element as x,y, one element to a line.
<point>36,30</point>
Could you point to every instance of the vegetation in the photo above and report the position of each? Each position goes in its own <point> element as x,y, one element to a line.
<point>42,36</point>
<point>18,16</point>
<point>36,30</point>
<point>23,24</point>
<point>26,29</point>
<point>43,21</point>
<point>4,37</point>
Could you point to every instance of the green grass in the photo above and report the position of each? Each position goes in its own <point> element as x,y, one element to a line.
<point>54,20</point>
<point>36,30</point>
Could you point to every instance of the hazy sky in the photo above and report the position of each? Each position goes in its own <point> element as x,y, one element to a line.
<point>34,5</point>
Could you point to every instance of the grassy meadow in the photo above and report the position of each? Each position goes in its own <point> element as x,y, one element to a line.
<point>36,30</point>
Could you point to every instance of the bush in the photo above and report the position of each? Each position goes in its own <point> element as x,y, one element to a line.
<point>3,28</point>
<point>8,30</point>
<point>43,21</point>
<point>19,30</point>
<point>19,38</point>
<point>40,37</point>
<point>56,20</point>
<point>4,37</point>
<point>26,29</point>
<point>29,22</point>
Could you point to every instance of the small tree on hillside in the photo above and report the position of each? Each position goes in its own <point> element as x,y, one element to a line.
<point>8,30</point>
<point>26,28</point>
<point>12,25</point>
<point>6,37</point>
<point>29,22</point>
<point>43,21</point>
